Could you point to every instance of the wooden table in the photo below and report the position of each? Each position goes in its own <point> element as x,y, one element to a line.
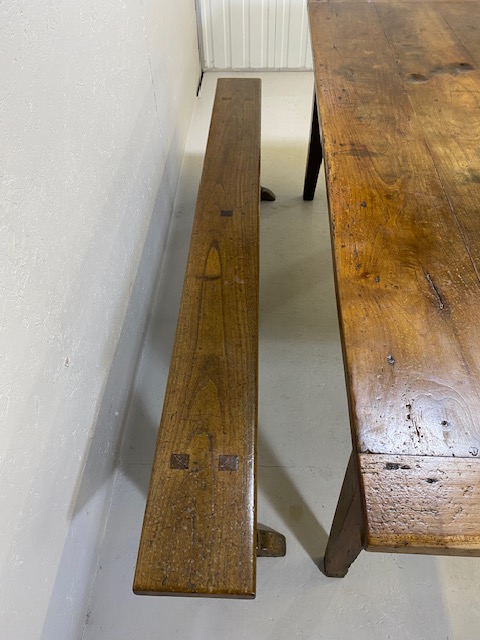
<point>398,92</point>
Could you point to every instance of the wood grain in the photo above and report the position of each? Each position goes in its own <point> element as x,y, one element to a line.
<point>404,222</point>
<point>347,535</point>
<point>464,21</point>
<point>199,532</point>
<point>422,505</point>
<point>398,90</point>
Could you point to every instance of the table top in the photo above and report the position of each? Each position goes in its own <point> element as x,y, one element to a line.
<point>398,90</point>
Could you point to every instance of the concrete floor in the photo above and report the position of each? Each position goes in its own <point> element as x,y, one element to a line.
<point>304,438</point>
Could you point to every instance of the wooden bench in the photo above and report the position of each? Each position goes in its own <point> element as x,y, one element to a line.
<point>397,85</point>
<point>199,534</point>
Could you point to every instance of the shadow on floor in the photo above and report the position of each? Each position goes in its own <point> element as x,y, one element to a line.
<point>290,505</point>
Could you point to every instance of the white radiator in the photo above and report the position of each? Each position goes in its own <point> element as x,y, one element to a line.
<point>254,34</point>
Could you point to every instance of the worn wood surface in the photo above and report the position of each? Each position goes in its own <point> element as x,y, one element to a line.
<point>199,532</point>
<point>403,174</point>
<point>398,89</point>
<point>422,504</point>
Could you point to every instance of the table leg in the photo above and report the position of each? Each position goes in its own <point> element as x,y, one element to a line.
<point>314,159</point>
<point>346,536</point>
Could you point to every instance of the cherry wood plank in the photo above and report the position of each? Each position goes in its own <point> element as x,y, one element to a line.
<point>407,287</point>
<point>199,532</point>
<point>464,20</point>
<point>445,94</point>
<point>422,504</point>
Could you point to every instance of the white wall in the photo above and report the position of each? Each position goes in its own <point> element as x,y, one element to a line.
<point>254,34</point>
<point>95,102</point>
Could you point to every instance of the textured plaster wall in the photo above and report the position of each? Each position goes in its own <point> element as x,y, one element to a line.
<point>95,102</point>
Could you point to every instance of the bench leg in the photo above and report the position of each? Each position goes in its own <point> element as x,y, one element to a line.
<point>270,544</point>
<point>314,159</point>
<point>346,536</point>
<point>267,195</point>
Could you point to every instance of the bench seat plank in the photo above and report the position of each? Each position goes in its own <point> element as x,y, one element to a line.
<point>199,532</point>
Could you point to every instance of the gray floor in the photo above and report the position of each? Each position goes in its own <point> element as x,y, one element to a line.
<point>303,438</point>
